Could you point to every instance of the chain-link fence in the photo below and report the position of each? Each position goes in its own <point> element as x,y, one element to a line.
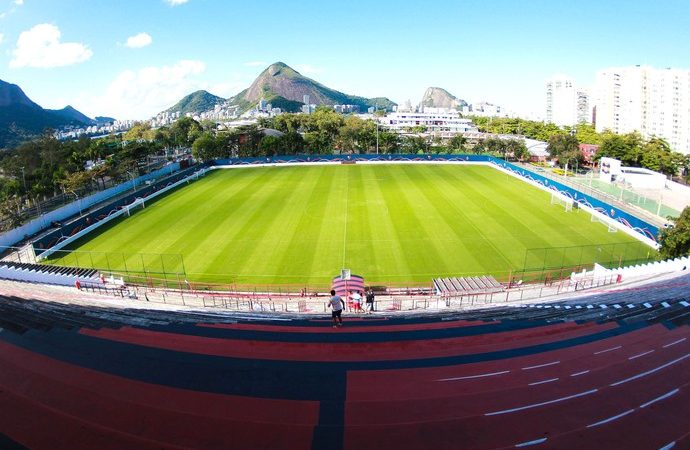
<point>146,268</point>
<point>546,263</point>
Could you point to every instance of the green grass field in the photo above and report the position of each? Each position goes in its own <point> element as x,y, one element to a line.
<point>302,224</point>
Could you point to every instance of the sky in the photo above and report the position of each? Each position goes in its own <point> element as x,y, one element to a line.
<point>131,59</point>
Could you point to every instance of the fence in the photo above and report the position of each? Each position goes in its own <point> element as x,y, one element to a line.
<point>384,303</point>
<point>541,264</point>
<point>159,269</point>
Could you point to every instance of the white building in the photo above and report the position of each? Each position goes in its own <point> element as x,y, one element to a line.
<point>655,102</point>
<point>441,123</point>
<point>566,104</point>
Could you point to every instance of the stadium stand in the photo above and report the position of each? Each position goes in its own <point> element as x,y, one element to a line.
<point>467,285</point>
<point>596,371</point>
<point>43,273</point>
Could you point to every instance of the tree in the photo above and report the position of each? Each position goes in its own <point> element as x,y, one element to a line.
<point>271,146</point>
<point>457,143</point>
<point>675,241</point>
<point>205,147</point>
<point>184,131</point>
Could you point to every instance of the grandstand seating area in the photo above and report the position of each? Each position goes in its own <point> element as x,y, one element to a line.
<point>43,273</point>
<point>466,285</point>
<point>597,371</point>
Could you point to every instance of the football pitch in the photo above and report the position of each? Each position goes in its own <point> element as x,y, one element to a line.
<point>391,223</point>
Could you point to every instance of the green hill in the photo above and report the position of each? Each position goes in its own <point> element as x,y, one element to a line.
<point>196,102</point>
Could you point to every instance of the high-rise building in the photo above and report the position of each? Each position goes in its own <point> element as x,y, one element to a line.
<point>566,104</point>
<point>655,102</point>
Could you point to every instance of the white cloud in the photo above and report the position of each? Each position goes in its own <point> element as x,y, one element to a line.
<point>143,93</point>
<point>139,40</point>
<point>41,47</point>
<point>255,63</point>
<point>2,38</point>
<point>19,2</point>
<point>176,2</point>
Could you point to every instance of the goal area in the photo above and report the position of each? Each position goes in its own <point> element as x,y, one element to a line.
<point>559,199</point>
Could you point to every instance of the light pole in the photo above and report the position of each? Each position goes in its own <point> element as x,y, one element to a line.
<point>78,201</point>
<point>377,135</point>
<point>131,176</point>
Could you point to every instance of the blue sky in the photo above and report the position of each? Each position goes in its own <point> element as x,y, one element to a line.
<point>76,52</point>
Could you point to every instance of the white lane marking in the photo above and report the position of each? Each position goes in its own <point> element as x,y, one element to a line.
<point>684,303</point>
<point>547,306</point>
<point>557,307</point>
<point>641,354</point>
<point>661,397</point>
<point>528,443</point>
<point>640,375</point>
<point>617,306</point>
<point>630,305</point>
<point>647,305</point>
<point>590,306</point>
<point>578,306</point>
<point>608,350</point>
<point>665,305</point>
<point>469,377</point>
<point>577,374</point>
<point>540,365</point>
<point>544,381</point>
<point>535,405</point>
<point>668,446</point>
<point>610,419</point>
<point>674,342</point>
<point>603,306</point>
<point>567,307</point>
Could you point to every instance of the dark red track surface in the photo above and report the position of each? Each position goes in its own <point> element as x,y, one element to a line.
<point>381,383</point>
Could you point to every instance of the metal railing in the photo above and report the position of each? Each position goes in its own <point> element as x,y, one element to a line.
<point>318,304</point>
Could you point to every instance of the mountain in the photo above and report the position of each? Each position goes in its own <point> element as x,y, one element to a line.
<point>436,97</point>
<point>72,115</point>
<point>21,119</point>
<point>285,88</point>
<point>196,102</point>
<point>102,120</point>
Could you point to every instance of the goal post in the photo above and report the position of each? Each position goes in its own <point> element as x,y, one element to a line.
<point>559,199</point>
<point>138,202</point>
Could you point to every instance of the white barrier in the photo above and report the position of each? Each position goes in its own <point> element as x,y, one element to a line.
<point>118,213</point>
<point>40,223</point>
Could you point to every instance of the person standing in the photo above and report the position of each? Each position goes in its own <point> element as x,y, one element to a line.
<point>356,301</point>
<point>370,300</point>
<point>337,304</point>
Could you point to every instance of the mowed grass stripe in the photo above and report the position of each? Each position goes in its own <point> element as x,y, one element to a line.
<point>407,206</point>
<point>479,247</point>
<point>402,223</point>
<point>534,212</point>
<point>248,232</point>
<point>291,240</point>
<point>388,261</point>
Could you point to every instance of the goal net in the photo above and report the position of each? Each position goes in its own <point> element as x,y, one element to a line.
<point>560,199</point>
<point>607,223</point>
<point>138,203</point>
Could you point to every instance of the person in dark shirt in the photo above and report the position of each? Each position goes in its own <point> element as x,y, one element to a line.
<point>370,300</point>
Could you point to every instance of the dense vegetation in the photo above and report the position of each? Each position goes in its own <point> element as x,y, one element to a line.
<point>46,167</point>
<point>632,149</point>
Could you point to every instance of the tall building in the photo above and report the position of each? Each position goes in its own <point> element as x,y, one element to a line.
<point>566,104</point>
<point>655,102</point>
